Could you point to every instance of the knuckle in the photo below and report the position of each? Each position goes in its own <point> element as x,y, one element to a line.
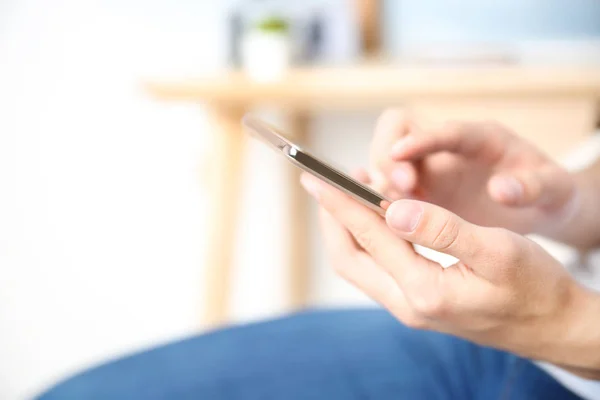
<point>388,113</point>
<point>492,125</point>
<point>514,254</point>
<point>381,163</point>
<point>363,234</point>
<point>391,117</point>
<point>509,256</point>
<point>452,127</point>
<point>406,314</point>
<point>393,300</point>
<point>398,307</point>
<point>494,129</point>
<point>446,236</point>
<point>453,133</point>
<point>429,305</point>
<point>510,248</point>
<point>414,321</point>
<point>328,203</point>
<point>389,127</point>
<point>340,267</point>
<point>498,138</point>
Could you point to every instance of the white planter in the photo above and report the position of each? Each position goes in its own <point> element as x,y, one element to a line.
<point>266,56</point>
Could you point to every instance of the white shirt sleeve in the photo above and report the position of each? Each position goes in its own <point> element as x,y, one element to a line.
<point>584,388</point>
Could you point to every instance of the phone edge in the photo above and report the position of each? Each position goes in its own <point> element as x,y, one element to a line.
<point>290,150</point>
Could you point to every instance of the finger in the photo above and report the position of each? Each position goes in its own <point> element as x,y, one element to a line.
<point>403,177</point>
<point>549,187</point>
<point>393,254</point>
<point>374,181</point>
<point>361,175</point>
<point>338,241</point>
<point>472,140</point>
<point>359,269</point>
<point>392,125</point>
<point>438,229</point>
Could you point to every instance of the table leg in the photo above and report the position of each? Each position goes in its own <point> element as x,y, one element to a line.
<point>224,195</point>
<point>298,245</point>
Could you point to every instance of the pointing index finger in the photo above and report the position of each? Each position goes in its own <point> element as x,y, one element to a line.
<point>469,139</point>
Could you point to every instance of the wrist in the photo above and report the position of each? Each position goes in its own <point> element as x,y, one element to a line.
<point>575,221</point>
<point>577,346</point>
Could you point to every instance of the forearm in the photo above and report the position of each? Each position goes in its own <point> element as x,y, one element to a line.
<point>579,226</point>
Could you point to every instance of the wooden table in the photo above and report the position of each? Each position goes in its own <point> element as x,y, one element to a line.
<point>552,107</point>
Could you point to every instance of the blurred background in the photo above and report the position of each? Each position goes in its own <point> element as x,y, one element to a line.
<point>105,186</point>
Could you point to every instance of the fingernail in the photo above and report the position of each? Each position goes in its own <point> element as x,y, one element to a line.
<point>400,178</point>
<point>404,216</point>
<point>511,188</point>
<point>310,184</point>
<point>399,147</point>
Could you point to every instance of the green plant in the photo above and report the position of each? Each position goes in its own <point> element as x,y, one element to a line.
<point>273,25</point>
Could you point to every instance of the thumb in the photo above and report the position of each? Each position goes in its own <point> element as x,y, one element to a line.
<point>438,229</point>
<point>548,187</point>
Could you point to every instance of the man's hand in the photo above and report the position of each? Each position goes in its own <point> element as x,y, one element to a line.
<point>480,171</point>
<point>505,291</point>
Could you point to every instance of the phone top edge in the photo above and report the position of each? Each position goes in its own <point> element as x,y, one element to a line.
<point>271,136</point>
<point>266,132</point>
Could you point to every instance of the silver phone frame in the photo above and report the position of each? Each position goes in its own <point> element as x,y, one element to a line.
<point>276,140</point>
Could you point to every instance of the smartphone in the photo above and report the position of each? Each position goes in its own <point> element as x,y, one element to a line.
<point>311,164</point>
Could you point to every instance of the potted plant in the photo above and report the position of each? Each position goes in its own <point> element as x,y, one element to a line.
<point>267,49</point>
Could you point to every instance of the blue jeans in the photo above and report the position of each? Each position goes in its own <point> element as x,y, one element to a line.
<point>358,354</point>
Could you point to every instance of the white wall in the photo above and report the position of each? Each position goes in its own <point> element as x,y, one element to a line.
<point>101,210</point>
